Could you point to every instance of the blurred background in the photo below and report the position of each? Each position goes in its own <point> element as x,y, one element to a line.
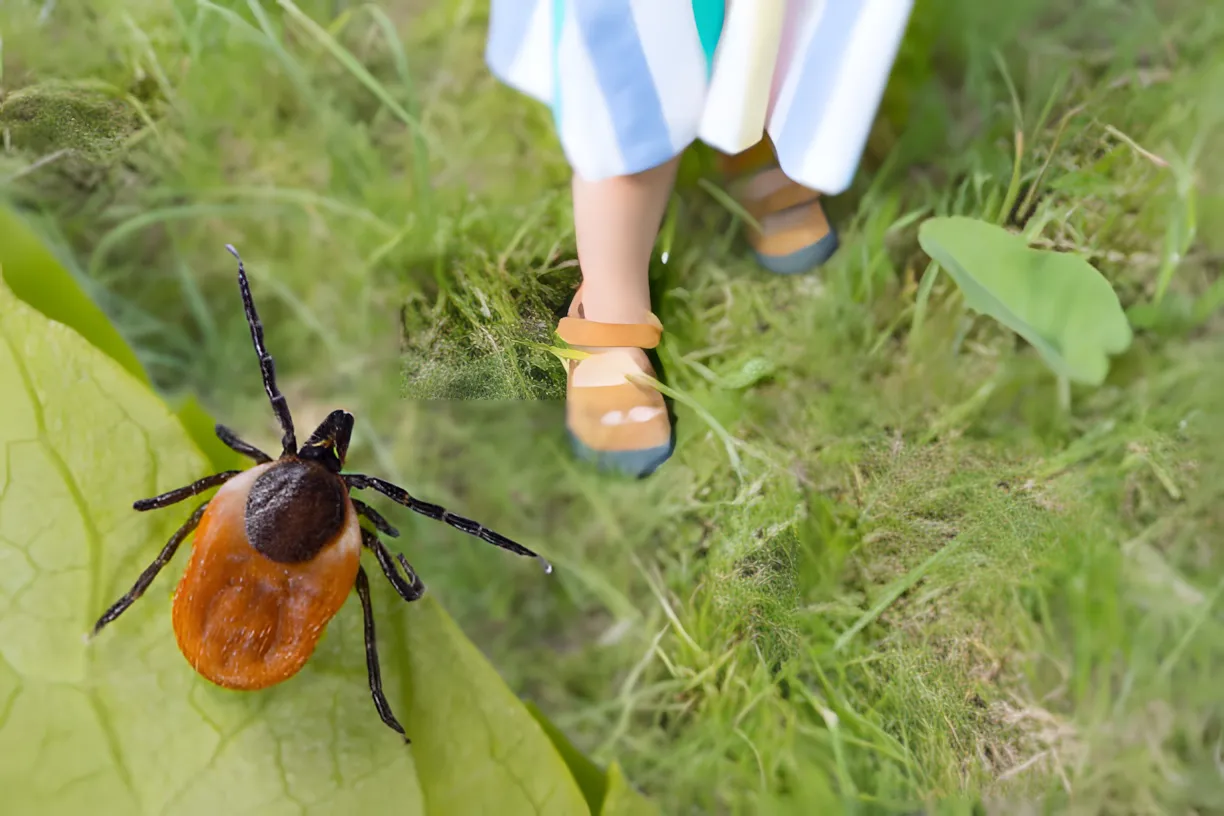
<point>884,570</point>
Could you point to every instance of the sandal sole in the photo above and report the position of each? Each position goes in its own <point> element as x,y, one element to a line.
<point>804,260</point>
<point>636,463</point>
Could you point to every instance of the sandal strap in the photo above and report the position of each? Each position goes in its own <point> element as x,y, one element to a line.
<point>784,198</point>
<point>578,331</point>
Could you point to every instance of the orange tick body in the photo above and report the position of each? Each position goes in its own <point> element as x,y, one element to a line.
<point>249,609</point>
<point>278,549</point>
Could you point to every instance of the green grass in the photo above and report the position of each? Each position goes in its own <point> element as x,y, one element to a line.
<point>927,585</point>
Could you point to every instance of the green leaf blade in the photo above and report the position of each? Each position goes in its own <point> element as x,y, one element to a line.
<point>586,773</point>
<point>477,748</point>
<point>36,277</point>
<point>66,527</point>
<point>1056,301</point>
<point>622,799</point>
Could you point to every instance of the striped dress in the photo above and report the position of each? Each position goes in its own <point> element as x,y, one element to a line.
<point>632,83</point>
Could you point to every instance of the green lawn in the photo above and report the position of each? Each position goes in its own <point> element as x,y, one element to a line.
<point>886,570</point>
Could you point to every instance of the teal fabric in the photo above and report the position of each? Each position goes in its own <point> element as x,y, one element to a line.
<point>709,14</point>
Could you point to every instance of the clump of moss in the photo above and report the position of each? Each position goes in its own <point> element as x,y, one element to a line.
<point>42,119</point>
<point>485,344</point>
<point>64,150</point>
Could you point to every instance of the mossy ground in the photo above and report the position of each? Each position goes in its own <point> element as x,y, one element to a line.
<point>864,581</point>
<point>42,119</point>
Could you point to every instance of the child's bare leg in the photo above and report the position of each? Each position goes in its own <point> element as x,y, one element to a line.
<point>612,419</point>
<point>617,221</point>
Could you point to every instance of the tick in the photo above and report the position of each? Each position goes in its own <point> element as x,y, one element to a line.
<point>278,549</point>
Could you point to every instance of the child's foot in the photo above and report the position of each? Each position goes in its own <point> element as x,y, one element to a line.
<point>795,235</point>
<point>614,422</point>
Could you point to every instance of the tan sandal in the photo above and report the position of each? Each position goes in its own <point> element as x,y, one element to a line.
<point>796,236</point>
<point>612,421</point>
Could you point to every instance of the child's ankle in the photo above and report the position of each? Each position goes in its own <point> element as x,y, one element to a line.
<point>618,309</point>
<point>622,308</point>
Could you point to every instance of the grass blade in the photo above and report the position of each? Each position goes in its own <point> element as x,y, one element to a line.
<point>895,591</point>
<point>346,58</point>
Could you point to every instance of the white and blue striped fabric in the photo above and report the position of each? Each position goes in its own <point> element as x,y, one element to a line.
<point>632,83</point>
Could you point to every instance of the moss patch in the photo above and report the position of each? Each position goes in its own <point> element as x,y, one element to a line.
<point>42,119</point>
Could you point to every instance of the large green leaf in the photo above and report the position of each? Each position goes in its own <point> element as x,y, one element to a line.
<point>36,277</point>
<point>622,800</point>
<point>607,794</point>
<point>122,724</point>
<point>1056,301</point>
<point>588,776</point>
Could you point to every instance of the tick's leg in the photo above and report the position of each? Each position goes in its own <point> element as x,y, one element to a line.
<point>146,577</point>
<point>433,511</point>
<point>245,448</point>
<point>411,589</point>
<point>380,699</point>
<point>176,496</point>
<point>381,524</point>
<point>266,367</point>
